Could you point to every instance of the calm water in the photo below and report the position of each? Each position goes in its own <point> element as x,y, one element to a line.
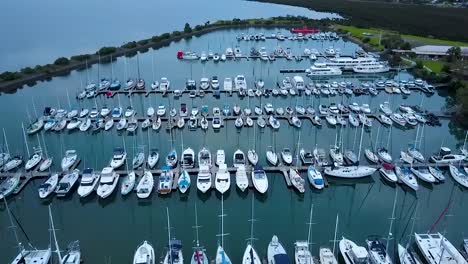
<point>39,32</point>
<point>114,227</point>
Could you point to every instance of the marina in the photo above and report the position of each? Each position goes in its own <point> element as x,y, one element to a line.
<point>206,137</point>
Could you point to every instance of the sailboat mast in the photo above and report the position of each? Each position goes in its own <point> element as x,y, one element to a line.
<point>25,141</point>
<point>55,236</point>
<point>169,235</point>
<point>196,225</point>
<point>222,221</point>
<point>138,64</point>
<point>152,65</point>
<point>310,224</point>
<point>125,150</point>
<point>377,138</point>
<point>252,222</point>
<point>466,137</point>
<point>6,141</point>
<point>68,97</point>
<point>360,143</point>
<point>112,68</point>
<point>392,218</point>
<point>13,227</point>
<point>388,139</point>
<point>334,238</point>
<point>45,146</point>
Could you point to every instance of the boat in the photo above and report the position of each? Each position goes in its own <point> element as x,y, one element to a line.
<point>66,183</point>
<point>398,119</point>
<point>165,180</point>
<point>286,155</point>
<point>416,154</point>
<point>352,253</point>
<point>174,254</point>
<point>321,69</point>
<point>371,68</point>
<point>327,256</point>
<point>387,171</point>
<point>129,112</point>
<point>161,110</point>
<point>259,179</point>
<point>48,186</point>
<point>336,155</point>
<point>13,163</point>
<point>239,122</point>
<point>271,156</point>
<point>128,183</point>
<point>107,183</point>
<point>9,185</point>
<point>35,126</point>
<point>220,157</point>
<point>122,124</point>
<point>188,158</point>
<point>437,249</point>
<point>157,123</point>
<point>242,181</point>
<point>307,157</point>
<point>144,254</point>
<point>239,158</point>
<point>204,178</point>
<point>118,158</point>
<point>297,181</point>
<point>405,157</point>
<point>437,173</point>
<point>145,185</point>
<point>459,175</point>
<point>377,251</point>
<point>350,172</point>
<point>423,174</point>
<point>132,125</point>
<point>204,157</point>
<point>223,179</point>
<point>445,156</point>
<point>85,124</point>
<point>302,253</point>
<point>34,160</point>
<point>184,181</point>
<point>88,182</point>
<point>385,108</point>
<point>73,255</point>
<point>371,156</point>
<point>274,123</point>
<point>172,159</point>
<point>164,84</point>
<point>153,158</point>
<point>350,157</point>
<point>315,178</point>
<point>405,175</point>
<point>384,155</point>
<point>276,253</point>
<point>320,156</point>
<point>69,160</point>
<point>250,256</point>
<point>138,159</point>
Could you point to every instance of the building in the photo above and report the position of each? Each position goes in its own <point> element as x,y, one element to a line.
<point>436,51</point>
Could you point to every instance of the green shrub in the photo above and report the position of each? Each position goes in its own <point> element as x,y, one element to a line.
<point>187,28</point>
<point>165,35</point>
<point>176,33</point>
<point>198,27</point>
<point>143,42</point>
<point>82,57</point>
<point>106,50</point>
<point>27,70</point>
<point>129,45</point>
<point>62,61</point>
<point>10,76</point>
<point>366,40</point>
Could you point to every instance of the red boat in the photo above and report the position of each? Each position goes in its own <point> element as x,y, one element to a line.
<point>305,30</point>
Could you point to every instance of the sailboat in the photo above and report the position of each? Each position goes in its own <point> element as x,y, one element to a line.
<point>174,253</point>
<point>221,256</point>
<point>9,185</point>
<point>144,254</point>
<point>276,253</point>
<point>145,185</point>
<point>35,158</point>
<point>199,255</point>
<point>27,256</point>
<point>302,253</point>
<point>437,249</point>
<point>129,181</point>
<point>250,254</point>
<point>252,155</point>
<point>405,254</point>
<point>188,161</point>
<point>296,179</point>
<point>184,181</point>
<point>48,186</point>
<point>47,162</point>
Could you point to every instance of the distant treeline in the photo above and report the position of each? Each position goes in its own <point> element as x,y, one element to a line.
<point>422,20</point>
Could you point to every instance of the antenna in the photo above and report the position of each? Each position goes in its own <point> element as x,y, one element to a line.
<point>55,236</point>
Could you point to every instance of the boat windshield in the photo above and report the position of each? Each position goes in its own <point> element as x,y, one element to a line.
<point>259,175</point>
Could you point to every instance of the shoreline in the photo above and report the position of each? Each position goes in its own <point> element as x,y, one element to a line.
<point>154,43</point>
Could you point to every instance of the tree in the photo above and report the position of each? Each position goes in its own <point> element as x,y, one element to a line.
<point>419,64</point>
<point>454,53</point>
<point>187,28</point>
<point>61,61</point>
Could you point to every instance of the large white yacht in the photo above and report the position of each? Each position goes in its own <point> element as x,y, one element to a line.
<point>321,69</point>
<point>348,63</point>
<point>374,67</point>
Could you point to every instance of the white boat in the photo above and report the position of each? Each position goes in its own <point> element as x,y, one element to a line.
<point>88,182</point>
<point>370,68</point>
<point>128,183</point>
<point>204,157</point>
<point>144,254</point>
<point>184,181</point>
<point>437,249</point>
<point>118,158</point>
<point>221,256</point>
<point>242,181</point>
<point>204,178</point>
<point>271,156</point>
<point>384,155</point>
<point>252,157</point>
<point>66,183</point>
<point>445,156</point>
<point>459,175</point>
<point>238,158</point>
<point>129,112</point>
<point>251,256</point>
<point>166,180</point>
<point>406,157</point>
<point>34,160</point>
<point>416,154</point>
<point>122,124</point>
<point>259,179</point>
<point>405,175</point>
<point>150,111</point>
<point>315,178</point>
<point>297,181</point>
<point>347,62</point>
<point>161,110</point>
<point>352,253</point>
<point>276,253</point>
<point>9,185</point>
<point>351,172</point>
<point>172,159</point>
<point>145,185</point>
<point>387,171</point>
<point>109,124</point>
<point>164,84</point>
<point>48,186</point>
<point>116,112</point>
<point>223,179</point>
<point>336,155</point>
<point>107,183</point>
<point>406,256</point>
<point>321,69</point>
<point>423,174</point>
<point>220,157</point>
<point>437,173</point>
<point>73,255</point>
<point>327,256</point>
<point>69,160</point>
<point>188,158</point>
<point>85,125</point>
<point>153,158</point>
<point>74,123</point>
<point>377,251</point>
<point>385,108</point>
<point>286,156</point>
<point>371,156</point>
<point>13,163</point>
<point>138,159</point>
<point>156,124</point>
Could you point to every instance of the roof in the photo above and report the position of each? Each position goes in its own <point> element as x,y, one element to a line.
<point>436,50</point>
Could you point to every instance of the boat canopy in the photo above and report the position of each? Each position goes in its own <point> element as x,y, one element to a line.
<point>281,259</point>
<point>387,166</point>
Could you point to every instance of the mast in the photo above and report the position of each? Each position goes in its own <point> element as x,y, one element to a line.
<point>55,236</point>
<point>25,141</point>
<point>360,143</point>
<point>388,139</point>
<point>6,142</point>
<point>252,220</point>
<point>334,238</point>
<point>45,146</point>
<point>138,65</point>
<point>125,150</point>
<point>196,225</point>
<point>125,68</point>
<point>377,138</point>
<point>112,68</point>
<point>464,142</point>
<point>152,65</point>
<point>309,234</point>
<point>389,236</point>
<point>68,97</point>
<point>87,72</point>
<point>222,215</point>
<point>169,235</point>
<point>13,227</point>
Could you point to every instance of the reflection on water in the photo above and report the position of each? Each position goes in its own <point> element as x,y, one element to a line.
<point>116,226</point>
